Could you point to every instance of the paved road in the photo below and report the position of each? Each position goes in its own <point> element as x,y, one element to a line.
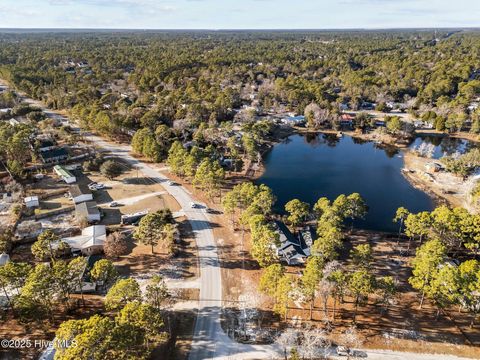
<point>210,341</point>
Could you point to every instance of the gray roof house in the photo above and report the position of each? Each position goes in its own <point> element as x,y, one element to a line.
<point>87,210</point>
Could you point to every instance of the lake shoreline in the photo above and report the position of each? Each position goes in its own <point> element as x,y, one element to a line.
<point>438,196</point>
<point>310,167</point>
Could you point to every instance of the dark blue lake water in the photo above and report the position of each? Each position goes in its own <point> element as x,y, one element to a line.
<point>311,166</point>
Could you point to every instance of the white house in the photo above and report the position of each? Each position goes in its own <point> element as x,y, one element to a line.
<point>64,174</point>
<point>31,202</point>
<point>80,193</point>
<point>91,240</point>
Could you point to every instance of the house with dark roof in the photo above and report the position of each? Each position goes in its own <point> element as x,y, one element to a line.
<point>80,193</point>
<point>290,249</point>
<point>44,144</point>
<point>54,155</point>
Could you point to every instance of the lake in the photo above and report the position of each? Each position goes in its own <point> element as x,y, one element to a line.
<point>308,167</point>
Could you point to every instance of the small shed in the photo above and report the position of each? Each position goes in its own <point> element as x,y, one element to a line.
<point>31,202</point>
<point>4,258</point>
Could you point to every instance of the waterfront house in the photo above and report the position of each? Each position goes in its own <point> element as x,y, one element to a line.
<point>294,120</point>
<point>290,249</point>
<point>346,120</point>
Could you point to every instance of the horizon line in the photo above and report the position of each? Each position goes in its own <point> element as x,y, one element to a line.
<point>242,29</point>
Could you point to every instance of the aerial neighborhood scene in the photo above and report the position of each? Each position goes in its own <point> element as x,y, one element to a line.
<point>239,180</point>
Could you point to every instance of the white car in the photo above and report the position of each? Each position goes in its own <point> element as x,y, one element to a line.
<point>96,186</point>
<point>171,183</point>
<point>114,204</point>
<point>193,205</point>
<point>343,351</point>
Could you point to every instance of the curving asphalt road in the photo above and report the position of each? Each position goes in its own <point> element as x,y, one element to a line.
<point>209,340</point>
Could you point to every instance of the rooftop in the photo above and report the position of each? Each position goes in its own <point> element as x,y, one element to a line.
<point>87,208</point>
<point>79,189</point>
<point>61,171</point>
<point>54,153</point>
<point>91,236</point>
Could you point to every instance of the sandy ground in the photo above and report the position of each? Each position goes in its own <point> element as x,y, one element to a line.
<point>133,193</point>
<point>444,186</point>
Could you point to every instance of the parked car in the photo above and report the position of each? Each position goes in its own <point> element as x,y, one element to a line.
<point>114,204</point>
<point>96,186</point>
<point>211,211</point>
<point>343,351</point>
<point>193,205</point>
<point>171,183</point>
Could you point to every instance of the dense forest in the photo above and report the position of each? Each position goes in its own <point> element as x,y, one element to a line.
<point>115,82</point>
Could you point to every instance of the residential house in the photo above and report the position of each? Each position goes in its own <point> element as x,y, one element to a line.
<point>80,193</point>
<point>90,242</point>
<point>307,237</point>
<point>87,210</point>
<point>54,155</point>
<point>294,120</point>
<point>31,202</point>
<point>64,174</point>
<point>290,249</point>
<point>346,120</point>
<point>419,124</point>
<point>367,106</point>
<point>45,144</point>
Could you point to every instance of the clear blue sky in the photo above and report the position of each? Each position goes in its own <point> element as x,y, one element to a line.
<point>238,14</point>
